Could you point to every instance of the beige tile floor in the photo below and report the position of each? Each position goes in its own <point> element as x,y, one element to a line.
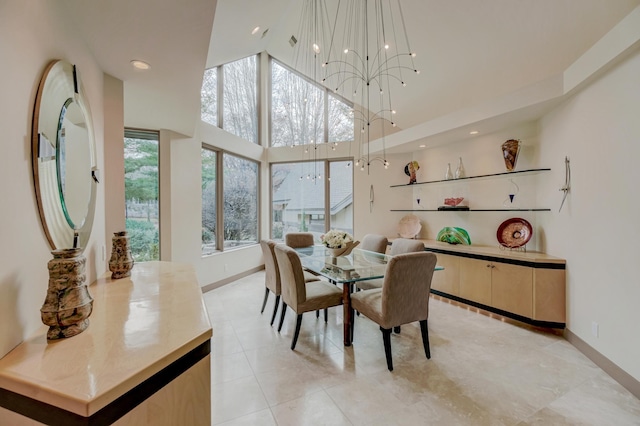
<point>483,371</point>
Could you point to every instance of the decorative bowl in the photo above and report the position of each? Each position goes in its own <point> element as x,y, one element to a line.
<point>514,232</point>
<point>342,251</point>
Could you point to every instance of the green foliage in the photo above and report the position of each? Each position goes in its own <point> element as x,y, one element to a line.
<point>143,240</point>
<point>141,169</point>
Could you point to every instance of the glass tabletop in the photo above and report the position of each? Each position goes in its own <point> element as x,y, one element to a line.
<point>359,265</point>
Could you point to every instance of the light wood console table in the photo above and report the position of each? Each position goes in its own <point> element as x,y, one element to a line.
<point>144,360</point>
<point>526,286</point>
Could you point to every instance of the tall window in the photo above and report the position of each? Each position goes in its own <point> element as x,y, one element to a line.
<point>298,111</point>
<point>240,193</point>
<point>142,193</point>
<point>209,201</point>
<point>240,98</point>
<point>209,97</point>
<point>299,202</point>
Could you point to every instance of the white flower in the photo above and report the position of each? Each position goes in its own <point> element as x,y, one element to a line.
<point>336,238</point>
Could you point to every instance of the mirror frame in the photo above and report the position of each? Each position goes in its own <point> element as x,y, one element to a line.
<point>60,83</point>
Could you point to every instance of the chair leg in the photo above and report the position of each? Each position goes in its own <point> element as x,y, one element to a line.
<point>318,313</point>
<point>425,338</point>
<point>284,311</point>
<point>275,309</point>
<point>326,315</point>
<point>386,338</point>
<point>396,330</point>
<point>264,302</point>
<point>297,332</point>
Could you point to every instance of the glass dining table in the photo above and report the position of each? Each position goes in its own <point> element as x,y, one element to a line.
<point>359,265</point>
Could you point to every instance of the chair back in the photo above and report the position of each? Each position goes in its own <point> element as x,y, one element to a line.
<point>406,288</point>
<point>298,239</point>
<point>374,242</point>
<point>272,273</point>
<point>405,245</point>
<point>291,276</point>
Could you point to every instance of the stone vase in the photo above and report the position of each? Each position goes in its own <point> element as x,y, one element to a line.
<point>68,304</point>
<point>121,260</point>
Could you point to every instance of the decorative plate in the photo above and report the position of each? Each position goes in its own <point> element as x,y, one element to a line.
<point>514,232</point>
<point>409,226</point>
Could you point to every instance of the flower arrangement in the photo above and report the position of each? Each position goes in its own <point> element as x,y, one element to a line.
<point>336,238</point>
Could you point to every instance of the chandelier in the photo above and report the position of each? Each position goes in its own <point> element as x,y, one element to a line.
<point>360,50</point>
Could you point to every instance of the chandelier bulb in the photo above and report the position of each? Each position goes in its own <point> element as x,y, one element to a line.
<point>393,111</point>
<point>417,71</point>
<point>393,124</point>
<point>346,50</point>
<point>308,176</point>
<point>386,45</point>
<point>404,84</point>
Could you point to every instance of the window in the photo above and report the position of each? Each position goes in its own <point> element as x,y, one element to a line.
<point>209,97</point>
<point>299,203</point>
<point>240,98</point>
<point>240,194</point>
<point>340,120</point>
<point>141,193</point>
<point>209,201</point>
<point>297,109</point>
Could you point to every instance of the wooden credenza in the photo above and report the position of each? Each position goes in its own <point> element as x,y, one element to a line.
<point>527,286</point>
<point>144,360</point>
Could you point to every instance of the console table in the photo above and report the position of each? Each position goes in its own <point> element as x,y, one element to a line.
<point>144,360</point>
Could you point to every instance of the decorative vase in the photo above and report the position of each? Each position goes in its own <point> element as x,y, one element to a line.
<point>68,304</point>
<point>121,260</point>
<point>460,172</point>
<point>448,175</point>
<point>344,250</point>
<point>510,151</point>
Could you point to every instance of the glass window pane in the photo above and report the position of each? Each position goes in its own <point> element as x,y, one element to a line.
<point>209,97</point>
<point>209,213</point>
<point>240,183</point>
<point>297,199</point>
<point>341,195</point>
<point>340,120</point>
<point>141,194</point>
<point>297,109</point>
<point>240,98</point>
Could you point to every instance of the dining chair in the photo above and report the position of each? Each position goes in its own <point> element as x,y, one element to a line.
<point>272,280</point>
<point>374,242</point>
<point>403,298</point>
<point>301,240</point>
<point>398,246</point>
<point>299,295</point>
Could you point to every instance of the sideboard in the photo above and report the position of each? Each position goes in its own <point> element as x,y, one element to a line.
<point>526,286</point>
<point>144,360</point>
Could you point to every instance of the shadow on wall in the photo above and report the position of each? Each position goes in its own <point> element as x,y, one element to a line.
<point>11,331</point>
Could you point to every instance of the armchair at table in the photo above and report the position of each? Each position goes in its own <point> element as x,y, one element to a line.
<point>403,298</point>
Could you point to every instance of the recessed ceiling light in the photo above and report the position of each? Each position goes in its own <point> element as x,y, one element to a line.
<point>140,65</point>
<point>422,146</point>
<point>473,132</point>
<point>255,30</point>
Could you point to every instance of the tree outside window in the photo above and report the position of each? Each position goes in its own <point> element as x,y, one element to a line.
<point>209,202</point>
<point>240,98</point>
<point>141,194</point>
<point>240,193</point>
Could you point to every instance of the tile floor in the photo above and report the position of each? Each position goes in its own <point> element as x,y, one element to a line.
<point>483,371</point>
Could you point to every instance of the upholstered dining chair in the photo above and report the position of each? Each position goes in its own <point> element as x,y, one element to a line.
<point>403,298</point>
<point>301,240</point>
<point>299,295</point>
<point>271,275</point>
<point>374,242</point>
<point>398,246</point>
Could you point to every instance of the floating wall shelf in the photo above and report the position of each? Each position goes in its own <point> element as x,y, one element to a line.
<point>529,171</point>
<point>471,210</point>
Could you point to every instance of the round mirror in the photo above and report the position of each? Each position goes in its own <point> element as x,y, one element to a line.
<point>64,164</point>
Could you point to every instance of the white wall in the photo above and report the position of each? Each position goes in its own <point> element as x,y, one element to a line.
<point>598,229</point>
<point>33,33</point>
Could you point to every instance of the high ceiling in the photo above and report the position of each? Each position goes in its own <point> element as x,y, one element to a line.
<point>469,51</point>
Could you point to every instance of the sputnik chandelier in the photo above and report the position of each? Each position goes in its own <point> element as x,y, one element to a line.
<point>359,50</point>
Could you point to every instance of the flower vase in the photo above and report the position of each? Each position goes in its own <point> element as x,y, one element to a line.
<point>460,172</point>
<point>510,152</point>
<point>121,260</point>
<point>448,175</point>
<point>343,250</point>
<point>68,304</point>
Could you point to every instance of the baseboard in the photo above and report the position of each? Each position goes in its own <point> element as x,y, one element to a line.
<point>230,279</point>
<point>617,373</point>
